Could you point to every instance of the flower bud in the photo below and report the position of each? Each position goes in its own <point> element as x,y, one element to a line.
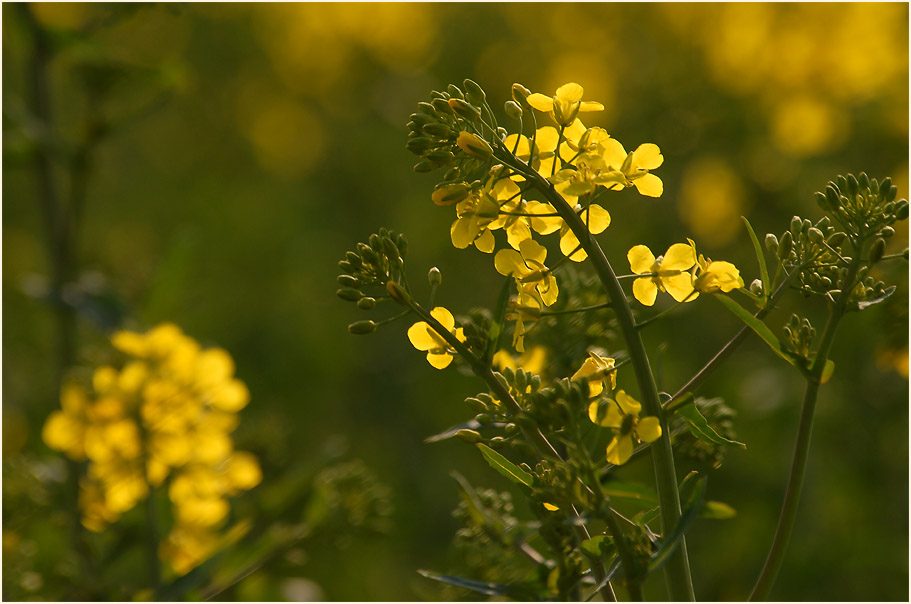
<point>756,287</point>
<point>520,93</point>
<point>821,201</point>
<point>853,185</point>
<point>815,235</point>
<point>836,238</point>
<point>901,212</point>
<point>469,436</point>
<point>437,129</point>
<point>454,92</point>
<point>474,93</point>
<point>425,166</point>
<point>785,245</point>
<point>448,194</point>
<point>887,231</point>
<point>366,303</point>
<point>361,328</point>
<point>418,145</point>
<point>496,442</point>
<point>485,419</point>
<point>442,107</point>
<point>350,294</point>
<point>474,145</point>
<point>440,157</point>
<point>434,277</point>
<point>427,109</point>
<point>771,242</point>
<point>512,109</point>
<point>465,110</point>
<point>398,293</point>
<point>476,405</point>
<point>347,281</point>
<point>877,251</point>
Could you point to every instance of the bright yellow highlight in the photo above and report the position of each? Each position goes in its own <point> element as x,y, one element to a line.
<point>666,273</point>
<point>622,415</point>
<point>166,415</point>
<point>527,266</point>
<point>714,276</point>
<point>426,339</point>
<point>565,105</point>
<point>599,372</point>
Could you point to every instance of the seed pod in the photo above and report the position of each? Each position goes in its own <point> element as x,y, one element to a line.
<point>361,328</point>
<point>350,294</point>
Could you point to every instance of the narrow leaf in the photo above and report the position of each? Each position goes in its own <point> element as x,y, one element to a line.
<point>690,511</point>
<point>481,587</point>
<point>760,256</point>
<point>701,428</point>
<point>761,329</point>
<point>868,303</point>
<point>610,575</point>
<point>471,424</point>
<point>505,467</point>
<point>827,371</point>
<point>627,490</point>
<point>717,510</point>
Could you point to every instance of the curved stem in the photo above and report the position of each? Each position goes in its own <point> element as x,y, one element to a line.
<point>789,506</point>
<point>677,568</point>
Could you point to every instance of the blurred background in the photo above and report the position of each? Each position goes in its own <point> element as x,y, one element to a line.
<point>223,157</point>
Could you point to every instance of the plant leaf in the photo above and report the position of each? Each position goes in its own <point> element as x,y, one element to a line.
<point>717,510</point>
<point>760,256</point>
<point>481,587</point>
<point>506,467</point>
<point>827,371</point>
<point>471,424</point>
<point>868,303</point>
<point>761,329</point>
<point>701,428</point>
<point>690,511</point>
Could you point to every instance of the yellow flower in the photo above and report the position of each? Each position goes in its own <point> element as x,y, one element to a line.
<point>621,414</point>
<point>525,307</point>
<point>666,273</point>
<point>596,218</point>
<point>532,361</point>
<point>565,105</point>
<point>598,371</point>
<point>622,169</point>
<point>425,338</point>
<point>527,267</point>
<point>65,430</point>
<point>714,276</point>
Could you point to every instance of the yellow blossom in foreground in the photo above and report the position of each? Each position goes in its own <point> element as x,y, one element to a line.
<point>565,105</point>
<point>599,372</point>
<point>624,169</point>
<point>622,415</point>
<point>714,276</point>
<point>596,218</point>
<point>527,267</point>
<point>665,273</point>
<point>426,339</point>
<point>475,215</point>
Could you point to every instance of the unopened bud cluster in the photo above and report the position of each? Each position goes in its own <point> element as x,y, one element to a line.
<point>799,337</point>
<point>865,207</point>
<point>814,250</point>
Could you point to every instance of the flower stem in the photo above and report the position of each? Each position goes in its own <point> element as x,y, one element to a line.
<point>789,506</point>
<point>677,570</point>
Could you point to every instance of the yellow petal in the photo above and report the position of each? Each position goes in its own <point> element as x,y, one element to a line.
<point>628,404</point>
<point>243,471</point>
<point>648,429</point>
<point>485,242</point>
<point>419,335</point>
<point>620,450</point>
<point>598,219</point>
<point>230,396</point>
<point>569,244</point>
<point>647,156</point>
<point>550,507</point>
<point>591,106</point>
<point>518,232</point>
<point>641,259</point>
<point>571,92</point>
<point>439,360</point>
<point>444,317</point>
<point>645,291</point>
<point>463,232</point>
<point>532,250</point>
<point>613,153</point>
<point>509,262</point>
<point>540,102</point>
<point>680,287</point>
<point>546,138</point>
<point>649,185</point>
<point>679,257</point>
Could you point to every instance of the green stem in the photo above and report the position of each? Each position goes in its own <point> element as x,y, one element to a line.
<point>677,570</point>
<point>789,507</point>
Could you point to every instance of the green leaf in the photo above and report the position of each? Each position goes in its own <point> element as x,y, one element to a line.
<point>760,256</point>
<point>717,510</point>
<point>868,303</point>
<point>827,371</point>
<point>690,511</point>
<point>701,428</point>
<point>471,424</point>
<point>627,490</point>
<point>761,329</point>
<point>592,546</point>
<point>506,467</point>
<point>481,587</point>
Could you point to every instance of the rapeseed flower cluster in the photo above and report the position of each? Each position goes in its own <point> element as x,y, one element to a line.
<point>163,420</point>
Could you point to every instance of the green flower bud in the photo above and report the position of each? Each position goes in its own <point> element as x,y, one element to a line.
<point>398,293</point>
<point>440,156</point>
<point>815,235</point>
<point>836,239</point>
<point>821,201</point>
<point>474,93</point>
<point>863,180</point>
<point>496,442</point>
<point>833,197</point>
<point>465,110</point>
<point>452,173</point>
<point>877,251</point>
<point>512,109</point>
<point>485,419</point>
<point>350,294</point>
<point>474,145</point>
<point>418,145</point>
<point>853,185</point>
<point>419,119</point>
<point>771,242</point>
<point>455,92</point>
<point>442,106</point>
<point>499,377</point>
<point>520,94</point>
<point>476,405</point>
<point>510,429</point>
<point>347,281</point>
<point>434,277</point>
<point>521,380</point>
<point>905,254</point>
<point>901,212</point>
<point>887,231</point>
<point>392,252</point>
<point>375,243</point>
<point>366,303</point>
<point>427,109</point>
<point>469,436</point>
<point>360,328</point>
<point>425,166</point>
<point>437,129</point>
<point>535,382</point>
<point>346,266</point>
<point>785,245</point>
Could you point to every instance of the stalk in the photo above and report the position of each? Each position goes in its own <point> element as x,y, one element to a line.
<point>677,570</point>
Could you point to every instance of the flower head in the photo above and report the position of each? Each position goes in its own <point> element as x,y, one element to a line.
<point>631,169</point>
<point>714,276</point>
<point>621,414</point>
<point>599,372</point>
<point>527,267</point>
<point>426,339</point>
<point>665,273</point>
<point>565,105</point>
